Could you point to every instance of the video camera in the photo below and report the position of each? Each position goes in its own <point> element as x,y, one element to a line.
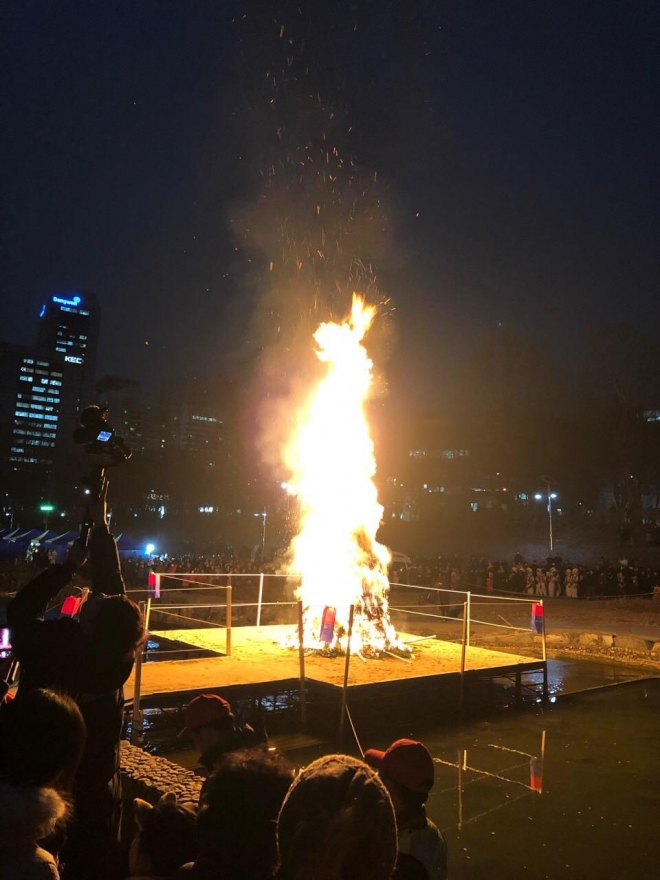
<point>103,448</point>
<point>98,439</point>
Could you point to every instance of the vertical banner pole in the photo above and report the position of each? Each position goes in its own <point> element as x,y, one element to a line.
<point>460,789</point>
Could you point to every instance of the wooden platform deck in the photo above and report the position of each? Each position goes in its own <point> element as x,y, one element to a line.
<point>258,658</point>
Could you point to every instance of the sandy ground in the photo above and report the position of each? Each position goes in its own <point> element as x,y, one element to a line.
<point>258,656</point>
<point>500,634</point>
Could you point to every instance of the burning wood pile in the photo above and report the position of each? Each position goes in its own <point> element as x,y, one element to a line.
<point>332,464</point>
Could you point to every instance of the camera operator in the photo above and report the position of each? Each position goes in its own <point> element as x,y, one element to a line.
<point>89,659</point>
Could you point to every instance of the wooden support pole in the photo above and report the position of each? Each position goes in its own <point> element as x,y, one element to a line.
<point>228,630</point>
<point>301,658</point>
<point>346,668</point>
<point>463,647</point>
<point>261,596</point>
<point>136,721</point>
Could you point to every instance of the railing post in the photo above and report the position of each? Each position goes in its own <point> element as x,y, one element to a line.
<point>136,722</point>
<point>147,617</point>
<point>301,659</point>
<point>545,655</point>
<point>346,667</point>
<point>545,658</point>
<point>228,622</point>
<point>463,639</point>
<point>469,616</point>
<point>261,596</point>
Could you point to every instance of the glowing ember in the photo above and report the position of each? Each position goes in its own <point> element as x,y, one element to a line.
<point>331,458</point>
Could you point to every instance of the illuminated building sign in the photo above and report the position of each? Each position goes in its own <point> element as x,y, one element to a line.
<point>72,359</point>
<point>74,301</point>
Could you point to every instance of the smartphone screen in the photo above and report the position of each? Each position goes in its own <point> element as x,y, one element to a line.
<point>5,646</point>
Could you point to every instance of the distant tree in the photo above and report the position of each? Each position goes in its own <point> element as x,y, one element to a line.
<point>625,382</point>
<point>513,402</point>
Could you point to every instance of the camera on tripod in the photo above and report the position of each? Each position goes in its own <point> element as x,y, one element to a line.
<point>98,439</point>
<point>104,449</point>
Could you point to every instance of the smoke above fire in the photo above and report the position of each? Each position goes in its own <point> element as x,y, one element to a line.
<point>315,231</point>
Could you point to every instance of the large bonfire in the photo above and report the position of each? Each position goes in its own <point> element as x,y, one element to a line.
<point>332,463</point>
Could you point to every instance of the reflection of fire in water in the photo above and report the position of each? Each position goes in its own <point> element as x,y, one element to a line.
<point>331,458</point>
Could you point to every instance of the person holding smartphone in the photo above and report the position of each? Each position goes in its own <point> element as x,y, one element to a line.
<point>89,659</point>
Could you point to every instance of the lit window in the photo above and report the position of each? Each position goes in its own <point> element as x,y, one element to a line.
<point>454,453</point>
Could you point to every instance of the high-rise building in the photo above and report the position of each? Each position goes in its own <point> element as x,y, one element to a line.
<point>69,325</point>
<point>42,388</point>
<point>200,433</point>
<point>31,400</point>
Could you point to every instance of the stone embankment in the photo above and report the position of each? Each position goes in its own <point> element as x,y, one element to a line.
<point>625,630</point>
<point>148,777</point>
<point>632,649</point>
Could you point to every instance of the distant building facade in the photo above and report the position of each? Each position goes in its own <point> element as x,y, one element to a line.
<point>69,325</point>
<point>42,388</point>
<point>31,389</point>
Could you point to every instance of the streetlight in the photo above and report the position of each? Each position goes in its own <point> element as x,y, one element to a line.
<point>263,533</point>
<point>46,509</point>
<point>550,497</point>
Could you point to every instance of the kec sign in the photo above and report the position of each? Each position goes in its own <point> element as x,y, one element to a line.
<point>75,301</point>
<point>72,359</point>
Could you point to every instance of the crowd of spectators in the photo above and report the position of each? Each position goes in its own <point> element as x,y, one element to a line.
<point>552,577</point>
<point>136,568</point>
<point>339,818</point>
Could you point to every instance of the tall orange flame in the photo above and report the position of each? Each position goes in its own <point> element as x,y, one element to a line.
<point>331,459</point>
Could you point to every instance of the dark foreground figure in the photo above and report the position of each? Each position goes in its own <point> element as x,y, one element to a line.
<point>89,660</point>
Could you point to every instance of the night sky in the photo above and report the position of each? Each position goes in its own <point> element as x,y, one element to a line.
<point>514,147</point>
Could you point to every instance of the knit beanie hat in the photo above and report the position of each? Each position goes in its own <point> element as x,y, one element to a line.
<point>337,823</point>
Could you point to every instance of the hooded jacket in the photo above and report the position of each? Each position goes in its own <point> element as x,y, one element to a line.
<point>28,815</point>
